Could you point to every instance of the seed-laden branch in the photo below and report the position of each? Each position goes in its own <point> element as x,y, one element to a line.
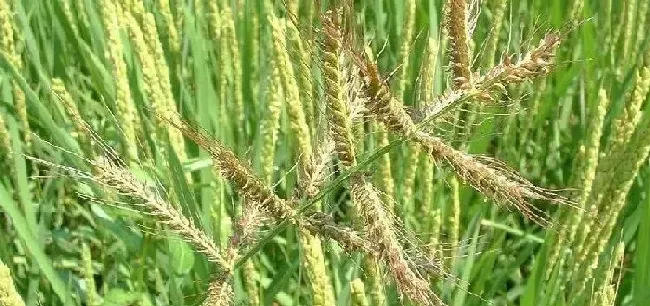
<point>380,230</point>
<point>536,63</point>
<point>457,25</point>
<point>487,176</point>
<point>369,209</point>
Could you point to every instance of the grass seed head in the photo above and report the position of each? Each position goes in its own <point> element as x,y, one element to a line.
<point>8,294</point>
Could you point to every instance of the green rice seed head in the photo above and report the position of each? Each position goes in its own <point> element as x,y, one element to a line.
<point>410,172</point>
<point>629,27</point>
<point>92,298</point>
<point>576,10</point>
<point>61,94</point>
<point>300,51</point>
<point>271,122</point>
<point>70,18</point>
<point>374,281</point>
<point>405,49</point>
<point>606,292</point>
<point>168,19</point>
<point>358,293</point>
<point>8,47</point>
<point>230,39</point>
<point>168,104</point>
<point>251,279</point>
<point>322,292</point>
<point>587,164</point>
<point>126,112</point>
<point>82,14</point>
<point>386,181</point>
<point>498,8</point>
<point>616,180</point>
<point>435,220</point>
<point>5,138</point>
<point>628,120</point>
<point>8,294</point>
<point>315,263</point>
<point>642,26</point>
<point>454,218</point>
<point>296,114</point>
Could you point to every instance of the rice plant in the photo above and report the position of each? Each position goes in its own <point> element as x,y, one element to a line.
<point>331,152</point>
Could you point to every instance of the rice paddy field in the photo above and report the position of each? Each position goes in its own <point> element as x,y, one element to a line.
<point>298,152</point>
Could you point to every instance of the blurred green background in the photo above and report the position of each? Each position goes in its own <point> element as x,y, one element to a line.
<point>58,231</point>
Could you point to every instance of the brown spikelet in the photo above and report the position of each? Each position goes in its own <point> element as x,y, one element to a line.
<point>456,23</point>
<point>337,110</point>
<point>235,170</point>
<point>485,175</point>
<point>220,292</point>
<point>492,179</point>
<point>536,63</point>
<point>380,230</point>
<point>379,100</point>
<point>111,174</point>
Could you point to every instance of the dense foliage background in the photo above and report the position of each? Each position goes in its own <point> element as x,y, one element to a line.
<point>71,241</point>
